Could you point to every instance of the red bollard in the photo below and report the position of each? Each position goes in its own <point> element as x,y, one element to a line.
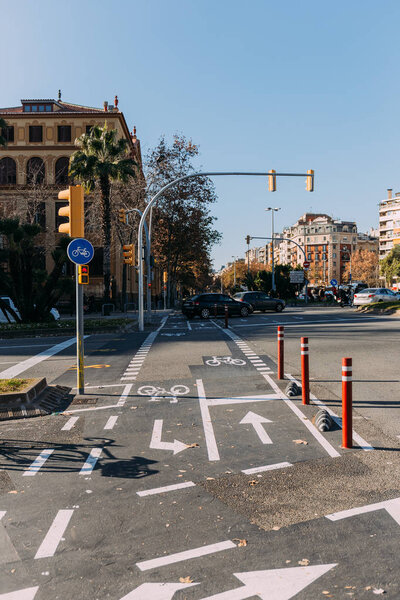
<point>305,371</point>
<point>215,310</point>
<point>281,335</point>
<point>226,316</point>
<point>347,403</point>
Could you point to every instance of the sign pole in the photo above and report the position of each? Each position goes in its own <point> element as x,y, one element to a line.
<point>80,351</point>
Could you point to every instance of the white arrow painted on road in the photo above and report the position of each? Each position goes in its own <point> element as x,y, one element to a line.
<point>256,421</point>
<point>392,507</point>
<point>176,446</point>
<point>25,594</point>
<point>156,591</point>
<point>275,584</point>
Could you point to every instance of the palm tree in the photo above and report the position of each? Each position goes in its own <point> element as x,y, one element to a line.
<point>101,159</point>
<point>3,125</point>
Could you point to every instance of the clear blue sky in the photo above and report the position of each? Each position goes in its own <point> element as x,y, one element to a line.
<point>258,85</point>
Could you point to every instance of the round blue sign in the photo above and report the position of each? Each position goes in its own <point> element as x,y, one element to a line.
<point>333,282</point>
<point>80,251</point>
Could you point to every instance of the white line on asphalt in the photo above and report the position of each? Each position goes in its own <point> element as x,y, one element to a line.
<point>211,442</point>
<point>8,552</point>
<point>241,399</point>
<point>356,437</point>
<point>166,488</point>
<point>34,360</point>
<point>186,555</point>
<point>90,461</point>
<point>281,465</point>
<point>75,410</point>
<point>392,507</point>
<point>99,387</point>
<point>111,422</point>
<point>125,394</point>
<point>38,462</point>
<point>189,326</point>
<point>69,424</point>
<point>53,537</point>
<point>26,346</point>
<point>138,359</point>
<point>290,323</point>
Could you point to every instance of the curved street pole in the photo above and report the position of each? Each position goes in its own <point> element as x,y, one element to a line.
<point>148,253</point>
<point>164,189</point>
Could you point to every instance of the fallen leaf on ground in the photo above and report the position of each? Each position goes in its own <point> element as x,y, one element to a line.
<point>210,478</point>
<point>304,562</point>
<point>133,407</point>
<point>192,445</point>
<point>185,579</point>
<point>13,492</point>
<point>241,542</point>
<point>253,482</point>
<point>378,591</point>
<point>276,528</point>
<point>300,442</point>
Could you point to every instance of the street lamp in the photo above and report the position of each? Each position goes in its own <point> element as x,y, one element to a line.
<point>272,244</point>
<point>234,271</point>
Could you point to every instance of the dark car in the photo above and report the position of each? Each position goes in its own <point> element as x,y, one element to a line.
<point>209,305</point>
<point>260,301</point>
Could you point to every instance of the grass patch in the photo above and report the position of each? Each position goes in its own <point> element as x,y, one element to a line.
<point>385,307</point>
<point>13,385</point>
<point>69,325</point>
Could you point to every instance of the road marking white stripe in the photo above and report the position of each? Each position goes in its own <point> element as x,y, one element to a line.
<point>392,507</point>
<point>211,442</point>
<point>189,326</point>
<point>142,352</point>
<point>186,555</point>
<point>38,462</point>
<point>90,461</point>
<point>166,488</point>
<point>111,422</point>
<point>75,410</point>
<point>291,324</point>
<point>34,360</point>
<point>241,400</point>
<point>69,424</point>
<point>281,465</point>
<point>53,537</point>
<point>125,394</point>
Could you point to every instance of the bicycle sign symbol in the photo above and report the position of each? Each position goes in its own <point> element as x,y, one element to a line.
<point>80,251</point>
<point>158,393</point>
<point>216,361</point>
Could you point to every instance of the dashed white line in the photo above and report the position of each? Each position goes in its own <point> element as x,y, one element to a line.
<point>111,422</point>
<point>69,424</point>
<point>211,442</point>
<point>91,461</point>
<point>38,462</point>
<point>281,465</point>
<point>166,488</point>
<point>186,555</point>
<point>53,537</point>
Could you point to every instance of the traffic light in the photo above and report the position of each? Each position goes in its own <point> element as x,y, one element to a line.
<point>122,216</point>
<point>165,277</point>
<point>128,252</point>
<point>248,240</point>
<point>83,274</point>
<point>310,180</point>
<point>272,180</point>
<point>74,211</point>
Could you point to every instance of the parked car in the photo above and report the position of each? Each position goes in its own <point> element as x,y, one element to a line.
<point>207,305</point>
<point>375,295</point>
<point>3,319</point>
<point>260,301</point>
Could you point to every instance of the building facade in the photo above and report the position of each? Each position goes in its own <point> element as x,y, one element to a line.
<point>389,223</point>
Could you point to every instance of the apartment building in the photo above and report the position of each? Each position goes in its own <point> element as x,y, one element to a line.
<point>259,254</point>
<point>389,223</point>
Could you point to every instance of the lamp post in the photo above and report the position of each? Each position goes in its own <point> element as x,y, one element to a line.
<point>272,244</point>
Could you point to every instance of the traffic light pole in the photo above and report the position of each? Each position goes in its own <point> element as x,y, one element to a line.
<point>148,260</point>
<point>309,177</point>
<point>80,351</point>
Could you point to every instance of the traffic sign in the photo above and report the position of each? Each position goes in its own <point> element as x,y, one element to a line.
<point>80,251</point>
<point>333,282</point>
<point>296,276</point>
<point>306,264</point>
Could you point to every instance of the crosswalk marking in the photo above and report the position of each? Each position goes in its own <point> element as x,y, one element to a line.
<point>91,461</point>
<point>69,424</point>
<point>53,537</point>
<point>111,422</point>
<point>38,462</point>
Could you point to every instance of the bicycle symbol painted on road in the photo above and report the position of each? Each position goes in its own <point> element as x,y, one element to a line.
<point>80,252</point>
<point>158,393</point>
<point>216,361</point>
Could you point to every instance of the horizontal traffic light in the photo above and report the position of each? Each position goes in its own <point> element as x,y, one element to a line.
<point>83,274</point>
<point>75,227</point>
<point>128,253</point>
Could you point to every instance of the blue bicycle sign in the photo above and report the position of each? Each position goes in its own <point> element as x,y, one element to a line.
<point>80,251</point>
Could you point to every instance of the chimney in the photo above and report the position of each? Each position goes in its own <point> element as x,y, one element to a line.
<point>105,106</point>
<point>116,101</point>
<point>390,190</point>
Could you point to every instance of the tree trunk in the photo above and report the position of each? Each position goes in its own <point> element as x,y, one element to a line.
<point>105,197</point>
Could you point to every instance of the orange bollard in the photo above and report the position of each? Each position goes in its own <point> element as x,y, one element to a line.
<point>281,335</point>
<point>347,403</point>
<point>305,371</point>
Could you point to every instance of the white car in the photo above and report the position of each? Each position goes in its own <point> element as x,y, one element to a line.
<point>7,300</point>
<point>370,295</point>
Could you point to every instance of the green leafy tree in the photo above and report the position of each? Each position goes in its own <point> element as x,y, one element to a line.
<point>33,290</point>
<point>101,159</point>
<point>3,140</point>
<point>390,265</point>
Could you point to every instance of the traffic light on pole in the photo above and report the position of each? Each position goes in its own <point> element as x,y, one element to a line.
<point>128,252</point>
<point>75,227</point>
<point>165,277</point>
<point>272,180</point>
<point>122,216</point>
<point>310,180</point>
<point>248,240</point>
<point>83,274</point>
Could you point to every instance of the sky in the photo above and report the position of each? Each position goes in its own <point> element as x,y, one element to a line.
<point>258,85</point>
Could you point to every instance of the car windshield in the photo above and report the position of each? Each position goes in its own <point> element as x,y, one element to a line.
<point>368,291</point>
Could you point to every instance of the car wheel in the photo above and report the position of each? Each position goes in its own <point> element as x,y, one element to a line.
<point>244,311</point>
<point>279,308</point>
<point>205,313</point>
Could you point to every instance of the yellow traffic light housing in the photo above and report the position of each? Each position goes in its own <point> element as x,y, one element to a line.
<point>310,180</point>
<point>122,216</point>
<point>165,277</point>
<point>74,211</point>
<point>272,180</point>
<point>83,274</point>
<point>128,253</point>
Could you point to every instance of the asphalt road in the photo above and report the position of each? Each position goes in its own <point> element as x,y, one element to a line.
<point>189,474</point>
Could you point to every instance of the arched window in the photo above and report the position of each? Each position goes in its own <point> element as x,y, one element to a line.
<point>8,171</point>
<point>35,170</point>
<point>61,172</point>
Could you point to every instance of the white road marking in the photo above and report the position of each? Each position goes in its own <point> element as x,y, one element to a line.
<point>155,591</point>
<point>356,437</point>
<point>53,537</point>
<point>186,555</point>
<point>291,324</point>
<point>34,360</point>
<point>75,410</point>
<point>26,346</point>
<point>242,399</point>
<point>138,359</point>
<point>69,424</point>
<point>91,461</point>
<point>8,552</point>
<point>189,326</point>
<point>392,507</point>
<point>25,594</point>
<point>176,446</point>
<point>256,421</point>
<point>209,435</point>
<point>125,394</point>
<point>281,465</point>
<point>111,422</point>
<point>166,488</point>
<point>38,462</point>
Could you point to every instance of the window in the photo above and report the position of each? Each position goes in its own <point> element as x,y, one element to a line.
<point>35,170</point>
<point>8,133</point>
<point>334,255</point>
<point>64,133</point>
<point>324,247</point>
<point>308,256</point>
<point>38,211</point>
<point>8,171</point>
<point>308,239</point>
<point>345,239</point>
<point>324,257</point>
<point>334,263</point>
<point>334,246</point>
<point>35,133</point>
<point>61,170</point>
